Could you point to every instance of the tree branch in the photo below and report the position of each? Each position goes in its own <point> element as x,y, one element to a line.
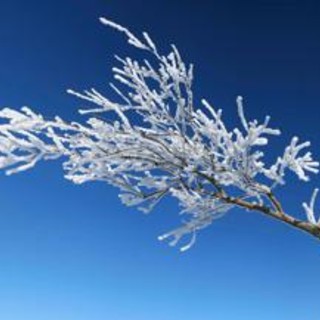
<point>280,215</point>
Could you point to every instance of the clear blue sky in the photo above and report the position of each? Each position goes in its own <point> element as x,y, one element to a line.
<point>74,252</point>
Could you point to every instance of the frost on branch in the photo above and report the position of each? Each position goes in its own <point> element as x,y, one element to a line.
<point>26,138</point>
<point>291,159</point>
<point>309,208</point>
<point>161,143</point>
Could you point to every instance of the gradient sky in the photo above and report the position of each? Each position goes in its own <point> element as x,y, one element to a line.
<point>74,252</point>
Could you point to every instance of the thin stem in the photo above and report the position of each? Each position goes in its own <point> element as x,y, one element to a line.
<point>308,227</point>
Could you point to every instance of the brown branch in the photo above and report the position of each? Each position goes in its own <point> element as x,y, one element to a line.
<point>277,213</point>
<point>275,202</point>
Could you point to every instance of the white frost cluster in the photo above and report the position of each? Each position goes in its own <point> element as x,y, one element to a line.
<point>291,159</point>
<point>309,209</point>
<point>160,143</point>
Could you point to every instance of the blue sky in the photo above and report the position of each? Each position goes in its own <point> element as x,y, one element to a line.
<point>74,252</point>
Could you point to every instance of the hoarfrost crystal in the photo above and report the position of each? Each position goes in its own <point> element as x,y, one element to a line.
<point>162,143</point>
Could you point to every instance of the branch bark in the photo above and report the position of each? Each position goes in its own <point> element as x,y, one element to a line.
<point>276,213</point>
